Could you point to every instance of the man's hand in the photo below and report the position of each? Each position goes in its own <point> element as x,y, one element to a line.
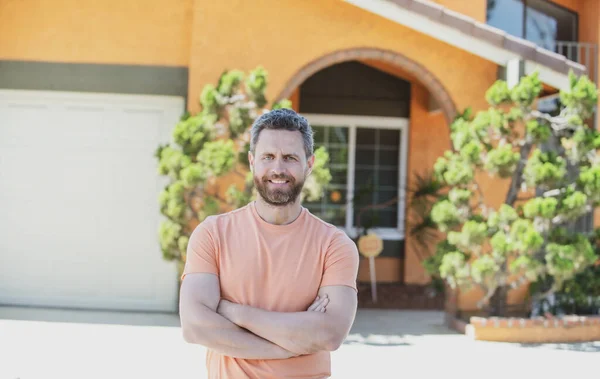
<point>319,305</point>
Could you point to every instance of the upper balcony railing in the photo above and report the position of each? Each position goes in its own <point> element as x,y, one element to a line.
<point>584,53</point>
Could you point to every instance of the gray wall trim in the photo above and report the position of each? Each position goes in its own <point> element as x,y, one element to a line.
<point>103,78</point>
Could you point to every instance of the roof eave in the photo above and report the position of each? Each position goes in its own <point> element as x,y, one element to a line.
<point>477,38</point>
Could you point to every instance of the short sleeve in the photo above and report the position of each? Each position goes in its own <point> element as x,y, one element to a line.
<point>202,251</point>
<point>341,262</point>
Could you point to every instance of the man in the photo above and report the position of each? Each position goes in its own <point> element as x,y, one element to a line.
<point>270,289</point>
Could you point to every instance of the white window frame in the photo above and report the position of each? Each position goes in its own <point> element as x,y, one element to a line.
<point>373,122</point>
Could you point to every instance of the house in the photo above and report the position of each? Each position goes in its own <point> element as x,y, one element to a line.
<point>88,90</point>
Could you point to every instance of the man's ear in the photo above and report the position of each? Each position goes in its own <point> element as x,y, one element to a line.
<point>310,163</point>
<point>251,161</point>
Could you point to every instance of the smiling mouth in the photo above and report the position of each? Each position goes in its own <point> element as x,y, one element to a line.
<point>275,181</point>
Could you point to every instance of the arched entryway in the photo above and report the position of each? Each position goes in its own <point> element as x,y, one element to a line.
<point>372,110</point>
<point>429,81</point>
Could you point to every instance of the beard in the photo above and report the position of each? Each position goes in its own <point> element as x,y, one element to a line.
<point>278,197</point>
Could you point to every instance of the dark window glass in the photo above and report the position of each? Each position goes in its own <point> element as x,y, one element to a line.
<point>541,29</point>
<point>539,21</point>
<point>547,23</point>
<point>506,15</point>
<point>376,176</point>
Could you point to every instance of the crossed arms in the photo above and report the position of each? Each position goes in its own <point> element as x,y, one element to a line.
<point>245,332</point>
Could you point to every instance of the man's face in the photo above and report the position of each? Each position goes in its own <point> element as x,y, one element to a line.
<point>279,166</point>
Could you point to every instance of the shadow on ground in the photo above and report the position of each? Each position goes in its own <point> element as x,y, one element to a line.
<point>379,327</point>
<point>586,347</point>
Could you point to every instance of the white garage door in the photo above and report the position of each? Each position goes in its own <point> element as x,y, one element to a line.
<point>78,200</point>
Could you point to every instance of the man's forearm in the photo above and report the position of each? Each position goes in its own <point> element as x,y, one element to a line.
<point>300,332</point>
<point>224,337</point>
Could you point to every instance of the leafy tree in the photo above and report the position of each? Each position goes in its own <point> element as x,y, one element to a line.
<point>211,145</point>
<point>551,161</point>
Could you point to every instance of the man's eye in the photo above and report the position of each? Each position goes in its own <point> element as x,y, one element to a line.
<point>268,157</point>
<point>290,158</point>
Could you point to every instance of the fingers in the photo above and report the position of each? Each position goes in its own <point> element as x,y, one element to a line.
<point>323,305</point>
<point>320,304</point>
<point>314,305</point>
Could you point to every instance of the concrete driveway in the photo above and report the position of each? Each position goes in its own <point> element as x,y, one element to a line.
<point>59,344</point>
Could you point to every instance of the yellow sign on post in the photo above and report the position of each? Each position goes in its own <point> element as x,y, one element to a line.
<point>370,246</point>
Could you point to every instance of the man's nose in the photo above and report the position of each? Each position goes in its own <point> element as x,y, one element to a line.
<point>278,167</point>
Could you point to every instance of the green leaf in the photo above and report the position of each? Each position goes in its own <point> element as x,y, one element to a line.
<point>454,268</point>
<point>527,90</point>
<point>172,161</point>
<point>574,205</point>
<point>484,268</point>
<point>498,93</point>
<point>217,158</point>
<point>525,237</point>
<point>459,196</point>
<point>239,120</point>
<point>445,214</point>
<point>501,245</point>
<point>314,186</point>
<point>230,82</point>
<point>545,169</point>
<point>529,266</point>
<point>193,174</point>
<point>471,237</point>
<point>565,260</point>
<point>256,84</point>
<point>504,217</point>
<point>581,98</point>
<point>210,99</point>
<point>285,103</point>
<point>502,161</point>
<point>209,207</point>
<point>589,181</point>
<point>169,233</point>
<point>541,207</point>
<point>453,170</point>
<point>539,132</point>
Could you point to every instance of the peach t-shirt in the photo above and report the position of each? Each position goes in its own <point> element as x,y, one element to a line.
<point>273,267</point>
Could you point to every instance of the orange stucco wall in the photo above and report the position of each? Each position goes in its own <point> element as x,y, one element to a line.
<point>429,138</point>
<point>471,8</point>
<point>149,32</point>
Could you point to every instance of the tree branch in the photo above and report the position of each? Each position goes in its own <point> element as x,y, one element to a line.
<point>488,295</point>
<point>517,178</point>
<point>557,123</point>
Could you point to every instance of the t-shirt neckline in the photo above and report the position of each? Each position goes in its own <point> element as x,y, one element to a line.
<point>285,227</point>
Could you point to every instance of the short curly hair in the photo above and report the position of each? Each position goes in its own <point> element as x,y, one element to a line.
<point>283,119</point>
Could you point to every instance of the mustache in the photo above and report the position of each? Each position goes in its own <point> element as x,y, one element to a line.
<point>278,177</point>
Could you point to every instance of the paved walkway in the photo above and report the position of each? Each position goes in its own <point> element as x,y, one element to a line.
<point>58,344</point>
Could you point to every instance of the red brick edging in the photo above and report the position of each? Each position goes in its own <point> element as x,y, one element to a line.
<point>514,322</point>
<point>529,330</point>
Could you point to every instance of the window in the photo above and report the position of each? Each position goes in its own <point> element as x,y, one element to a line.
<point>539,21</point>
<point>368,164</point>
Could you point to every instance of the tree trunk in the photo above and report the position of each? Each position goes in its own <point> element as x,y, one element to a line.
<point>517,178</point>
<point>498,306</point>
